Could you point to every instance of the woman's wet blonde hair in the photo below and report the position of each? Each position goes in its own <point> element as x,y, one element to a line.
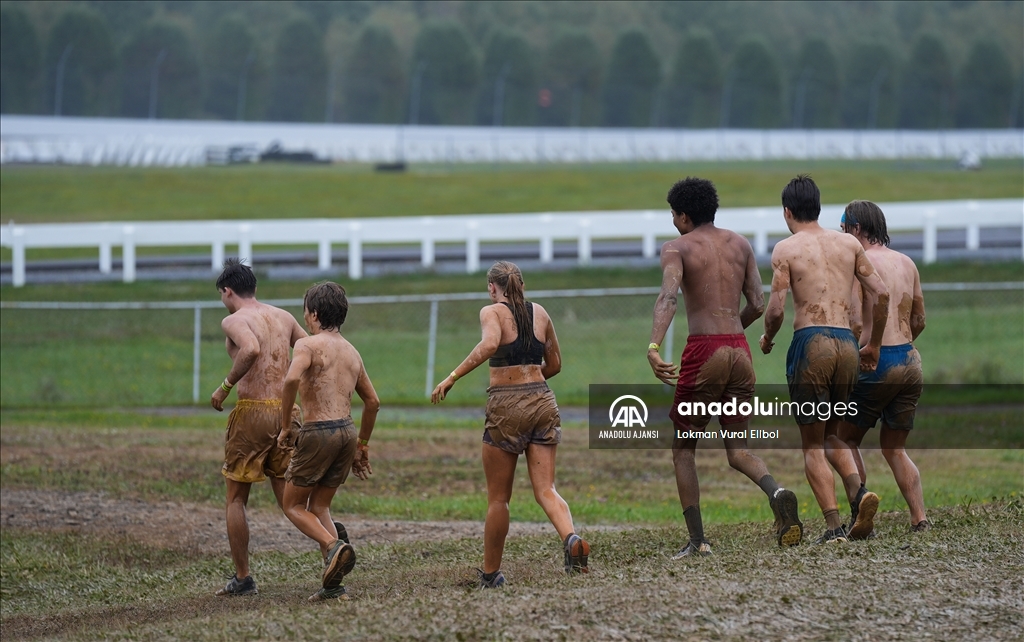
<point>507,276</point>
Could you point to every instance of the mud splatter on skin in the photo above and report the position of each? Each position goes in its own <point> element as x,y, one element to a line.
<point>903,310</point>
<point>817,314</point>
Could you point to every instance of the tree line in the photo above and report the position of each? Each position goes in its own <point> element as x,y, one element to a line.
<point>157,69</point>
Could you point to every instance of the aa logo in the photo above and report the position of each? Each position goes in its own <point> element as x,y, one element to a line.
<point>628,415</point>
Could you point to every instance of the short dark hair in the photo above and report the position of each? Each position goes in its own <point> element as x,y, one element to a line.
<point>327,299</point>
<point>239,277</point>
<point>802,198</point>
<point>695,197</point>
<point>870,219</point>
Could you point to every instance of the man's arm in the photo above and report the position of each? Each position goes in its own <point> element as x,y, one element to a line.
<point>917,307</point>
<point>776,310</point>
<point>301,360</point>
<point>752,291</point>
<point>371,404</point>
<point>665,310</point>
<point>239,333</point>
<point>857,301</point>
<point>874,290</point>
<point>490,329</point>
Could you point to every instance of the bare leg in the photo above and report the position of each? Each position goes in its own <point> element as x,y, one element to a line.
<point>296,499</point>
<point>908,478</point>
<point>238,526</point>
<point>686,472</point>
<point>540,460</point>
<point>500,471</point>
<point>741,459</point>
<point>843,451</point>
<point>819,475</point>
<point>277,485</point>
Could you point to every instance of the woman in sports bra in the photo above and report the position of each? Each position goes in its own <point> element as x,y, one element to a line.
<point>522,416</point>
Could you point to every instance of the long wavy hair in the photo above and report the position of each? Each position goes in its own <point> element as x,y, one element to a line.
<point>507,276</point>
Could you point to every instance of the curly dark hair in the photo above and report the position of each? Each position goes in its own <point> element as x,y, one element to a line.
<point>239,277</point>
<point>327,299</point>
<point>802,197</point>
<point>695,197</point>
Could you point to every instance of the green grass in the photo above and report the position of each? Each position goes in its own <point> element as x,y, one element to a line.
<point>75,194</point>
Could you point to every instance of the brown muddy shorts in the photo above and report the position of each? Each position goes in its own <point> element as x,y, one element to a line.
<point>520,415</point>
<point>891,391</point>
<point>251,452</point>
<point>324,452</point>
<point>713,368</point>
<point>821,368</point>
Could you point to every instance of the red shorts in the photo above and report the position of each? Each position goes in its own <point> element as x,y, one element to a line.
<point>713,368</point>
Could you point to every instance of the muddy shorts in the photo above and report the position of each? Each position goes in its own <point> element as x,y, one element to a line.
<point>891,391</point>
<point>821,367</point>
<point>520,415</point>
<point>324,452</point>
<point>251,452</point>
<point>713,368</point>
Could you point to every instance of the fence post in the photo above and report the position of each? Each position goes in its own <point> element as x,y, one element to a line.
<point>217,256</point>
<point>128,254</point>
<point>930,237</point>
<point>324,255</point>
<point>18,257</point>
<point>427,252</point>
<point>355,252</point>
<point>583,243</point>
<point>472,247</point>
<point>245,244</point>
<point>973,237</point>
<point>106,258</point>
<point>195,354</point>
<point>431,347</point>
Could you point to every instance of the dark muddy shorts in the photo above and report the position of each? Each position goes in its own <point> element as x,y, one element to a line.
<point>520,415</point>
<point>821,367</point>
<point>324,452</point>
<point>713,368</point>
<point>891,391</point>
<point>251,453</point>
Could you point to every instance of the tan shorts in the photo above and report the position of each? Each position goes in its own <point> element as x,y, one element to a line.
<point>520,415</point>
<point>324,452</point>
<point>250,444</point>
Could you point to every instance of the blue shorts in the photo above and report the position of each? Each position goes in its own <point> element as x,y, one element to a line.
<point>821,367</point>
<point>891,391</point>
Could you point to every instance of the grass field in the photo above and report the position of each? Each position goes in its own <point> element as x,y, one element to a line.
<point>112,530</point>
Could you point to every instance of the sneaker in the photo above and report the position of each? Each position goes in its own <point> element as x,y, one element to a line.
<point>862,514</point>
<point>834,536</point>
<point>324,594</point>
<point>576,553</point>
<point>239,587</point>
<point>490,580</point>
<point>921,527</point>
<point>788,527</point>
<point>694,551</point>
<point>341,559</point>
<point>342,532</point>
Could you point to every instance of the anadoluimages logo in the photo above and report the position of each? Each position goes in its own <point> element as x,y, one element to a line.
<point>628,415</point>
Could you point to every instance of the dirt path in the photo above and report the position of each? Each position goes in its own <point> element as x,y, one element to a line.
<point>201,528</point>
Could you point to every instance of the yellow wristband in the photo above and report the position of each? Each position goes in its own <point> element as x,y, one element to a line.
<point>364,442</point>
<point>653,346</point>
<point>225,387</point>
<point>454,376</point>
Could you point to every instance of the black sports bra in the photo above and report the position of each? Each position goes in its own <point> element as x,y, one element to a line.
<point>516,353</point>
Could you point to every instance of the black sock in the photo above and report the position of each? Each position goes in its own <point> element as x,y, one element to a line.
<point>768,485</point>
<point>490,576</point>
<point>694,524</point>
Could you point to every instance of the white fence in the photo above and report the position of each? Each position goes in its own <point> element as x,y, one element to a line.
<point>137,142</point>
<point>472,230</point>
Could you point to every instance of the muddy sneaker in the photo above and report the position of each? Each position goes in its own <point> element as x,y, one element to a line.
<point>342,532</point>
<point>341,559</point>
<point>237,587</point>
<point>694,551</point>
<point>576,553</point>
<point>324,594</point>
<point>837,536</point>
<point>788,527</point>
<point>921,527</point>
<point>862,514</point>
<point>490,580</point>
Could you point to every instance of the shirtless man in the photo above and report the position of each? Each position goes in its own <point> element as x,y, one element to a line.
<point>892,390</point>
<point>820,267</point>
<point>714,266</point>
<point>325,370</point>
<point>258,337</point>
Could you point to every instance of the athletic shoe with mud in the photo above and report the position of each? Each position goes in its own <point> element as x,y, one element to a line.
<point>836,536</point>
<point>694,551</point>
<point>237,587</point>
<point>788,527</point>
<point>862,514</point>
<point>576,553</point>
<point>341,559</point>
<point>490,580</point>
<point>342,532</point>
<point>337,593</point>
<point>922,526</point>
